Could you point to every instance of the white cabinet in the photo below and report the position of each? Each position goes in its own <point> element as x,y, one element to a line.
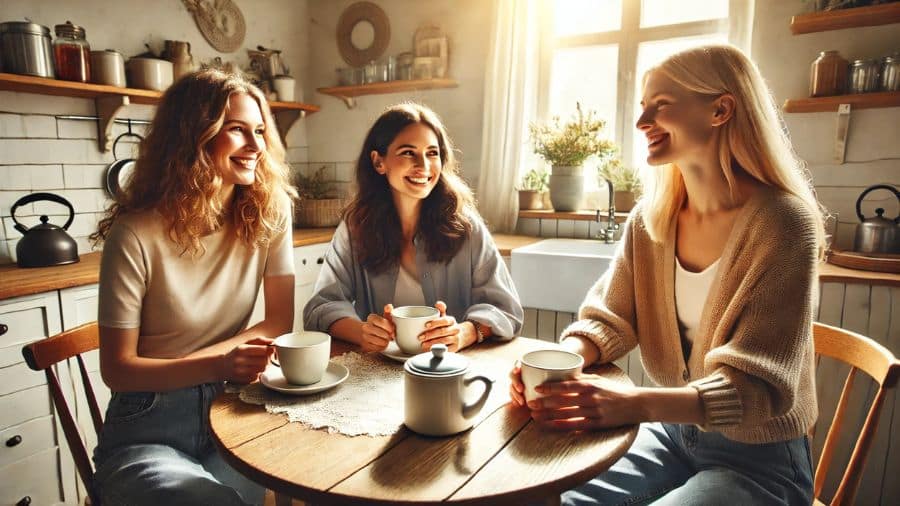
<point>308,262</point>
<point>35,452</point>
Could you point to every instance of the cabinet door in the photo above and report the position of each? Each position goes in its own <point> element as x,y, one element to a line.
<point>308,261</point>
<point>78,306</point>
<point>24,397</point>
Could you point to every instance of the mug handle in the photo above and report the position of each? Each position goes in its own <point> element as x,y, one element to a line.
<point>273,362</point>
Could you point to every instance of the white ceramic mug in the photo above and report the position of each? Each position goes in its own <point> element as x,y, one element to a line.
<point>303,356</point>
<point>410,322</point>
<point>548,365</point>
<point>284,88</point>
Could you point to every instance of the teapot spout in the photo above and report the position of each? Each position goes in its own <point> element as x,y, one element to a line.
<point>470,410</point>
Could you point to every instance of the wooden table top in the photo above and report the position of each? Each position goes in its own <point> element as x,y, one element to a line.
<point>505,459</point>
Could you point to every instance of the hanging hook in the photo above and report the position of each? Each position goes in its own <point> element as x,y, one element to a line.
<point>129,133</point>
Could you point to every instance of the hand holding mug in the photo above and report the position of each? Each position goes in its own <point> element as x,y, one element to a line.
<point>378,331</point>
<point>245,361</point>
<point>442,330</point>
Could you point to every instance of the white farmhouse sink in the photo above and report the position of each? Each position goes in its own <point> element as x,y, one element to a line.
<point>556,274</point>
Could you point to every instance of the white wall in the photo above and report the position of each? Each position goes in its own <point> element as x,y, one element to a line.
<point>336,133</point>
<point>873,150</point>
<point>39,152</point>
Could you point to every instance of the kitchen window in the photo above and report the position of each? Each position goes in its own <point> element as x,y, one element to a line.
<point>596,51</point>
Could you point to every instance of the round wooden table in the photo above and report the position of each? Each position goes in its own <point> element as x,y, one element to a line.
<point>505,459</point>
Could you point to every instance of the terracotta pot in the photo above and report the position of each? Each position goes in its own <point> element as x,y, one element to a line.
<point>624,201</point>
<point>530,199</point>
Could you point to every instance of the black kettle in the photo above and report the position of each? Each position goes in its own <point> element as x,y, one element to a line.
<point>877,234</point>
<point>46,244</point>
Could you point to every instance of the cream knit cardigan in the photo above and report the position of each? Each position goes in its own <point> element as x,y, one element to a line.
<point>752,361</point>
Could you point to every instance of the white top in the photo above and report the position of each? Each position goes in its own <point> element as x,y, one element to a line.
<point>408,291</point>
<point>691,291</point>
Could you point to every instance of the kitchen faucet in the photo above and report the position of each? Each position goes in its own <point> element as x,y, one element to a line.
<point>608,235</point>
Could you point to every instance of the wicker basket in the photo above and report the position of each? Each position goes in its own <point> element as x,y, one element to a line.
<point>319,213</point>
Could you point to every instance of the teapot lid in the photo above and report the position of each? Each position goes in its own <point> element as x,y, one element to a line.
<point>437,362</point>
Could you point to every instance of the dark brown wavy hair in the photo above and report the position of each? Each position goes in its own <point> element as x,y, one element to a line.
<point>175,175</point>
<point>446,217</point>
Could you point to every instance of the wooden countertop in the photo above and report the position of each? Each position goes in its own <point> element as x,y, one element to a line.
<point>16,281</point>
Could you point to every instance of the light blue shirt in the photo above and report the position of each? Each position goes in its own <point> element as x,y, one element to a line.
<point>475,284</point>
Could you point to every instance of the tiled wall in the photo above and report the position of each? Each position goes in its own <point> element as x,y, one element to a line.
<point>40,152</point>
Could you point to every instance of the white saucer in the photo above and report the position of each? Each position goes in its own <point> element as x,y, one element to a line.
<point>334,375</point>
<point>393,352</point>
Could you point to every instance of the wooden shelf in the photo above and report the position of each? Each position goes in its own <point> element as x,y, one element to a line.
<point>347,93</point>
<point>110,100</point>
<point>856,101</point>
<point>581,215</point>
<point>839,19</point>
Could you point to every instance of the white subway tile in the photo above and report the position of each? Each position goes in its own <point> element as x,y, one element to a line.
<point>83,200</point>
<point>8,198</point>
<point>565,228</point>
<point>549,228</point>
<point>76,129</point>
<point>297,154</point>
<point>12,177</point>
<point>31,103</point>
<point>528,226</point>
<point>344,171</point>
<point>12,126</point>
<point>84,176</point>
<point>582,230</point>
<point>85,224</point>
<point>18,126</point>
<point>47,151</point>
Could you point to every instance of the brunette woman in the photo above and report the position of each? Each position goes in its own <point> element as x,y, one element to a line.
<point>412,236</point>
<point>206,219</point>
<point>715,281</point>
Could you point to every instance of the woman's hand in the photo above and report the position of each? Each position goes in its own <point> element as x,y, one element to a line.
<point>378,331</point>
<point>245,361</point>
<point>590,402</point>
<point>516,387</point>
<point>445,330</point>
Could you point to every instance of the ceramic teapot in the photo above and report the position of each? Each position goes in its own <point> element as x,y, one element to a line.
<point>45,244</point>
<point>434,388</point>
<point>877,234</point>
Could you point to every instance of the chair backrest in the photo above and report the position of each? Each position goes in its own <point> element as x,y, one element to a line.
<point>862,354</point>
<point>42,356</point>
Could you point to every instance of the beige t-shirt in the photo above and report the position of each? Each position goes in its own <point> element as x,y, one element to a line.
<point>180,303</point>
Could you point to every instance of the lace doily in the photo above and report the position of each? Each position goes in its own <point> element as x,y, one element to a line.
<point>370,401</point>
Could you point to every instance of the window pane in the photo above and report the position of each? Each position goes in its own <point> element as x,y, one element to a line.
<point>575,17</point>
<point>670,12</point>
<point>588,75</point>
<point>650,54</point>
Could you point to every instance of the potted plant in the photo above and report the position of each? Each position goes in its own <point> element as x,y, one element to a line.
<point>566,146</point>
<point>532,187</point>
<point>626,183</point>
<point>318,206</point>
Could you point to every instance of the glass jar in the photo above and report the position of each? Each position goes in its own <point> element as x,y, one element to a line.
<point>72,53</point>
<point>890,73</point>
<point>828,75</point>
<point>864,76</point>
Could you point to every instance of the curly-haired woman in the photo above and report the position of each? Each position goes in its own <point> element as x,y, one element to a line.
<point>205,220</point>
<point>412,236</point>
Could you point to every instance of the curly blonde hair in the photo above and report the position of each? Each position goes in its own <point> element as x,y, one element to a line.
<point>175,175</point>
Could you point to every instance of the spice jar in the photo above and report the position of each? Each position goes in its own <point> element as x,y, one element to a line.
<point>890,73</point>
<point>72,53</point>
<point>828,75</point>
<point>864,76</point>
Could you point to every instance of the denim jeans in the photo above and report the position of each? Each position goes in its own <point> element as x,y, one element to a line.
<point>156,448</point>
<point>681,465</point>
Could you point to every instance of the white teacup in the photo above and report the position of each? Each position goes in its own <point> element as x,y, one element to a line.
<point>548,365</point>
<point>410,322</point>
<point>303,356</point>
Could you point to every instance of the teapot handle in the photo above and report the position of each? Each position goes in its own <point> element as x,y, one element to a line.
<point>872,188</point>
<point>34,197</point>
<point>470,410</point>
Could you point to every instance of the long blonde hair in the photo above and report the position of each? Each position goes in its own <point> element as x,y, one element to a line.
<point>753,140</point>
<point>175,175</point>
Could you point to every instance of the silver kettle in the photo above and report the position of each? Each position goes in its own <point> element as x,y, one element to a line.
<point>877,234</point>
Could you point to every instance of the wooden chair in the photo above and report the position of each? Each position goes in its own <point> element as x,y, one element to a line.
<point>862,354</point>
<point>41,356</point>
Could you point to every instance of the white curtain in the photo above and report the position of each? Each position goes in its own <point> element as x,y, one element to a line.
<point>740,23</point>
<point>510,103</point>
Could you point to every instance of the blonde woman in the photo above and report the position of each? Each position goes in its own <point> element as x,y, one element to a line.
<point>205,220</point>
<point>715,282</point>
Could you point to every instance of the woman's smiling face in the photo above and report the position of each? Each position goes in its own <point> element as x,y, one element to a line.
<point>412,163</point>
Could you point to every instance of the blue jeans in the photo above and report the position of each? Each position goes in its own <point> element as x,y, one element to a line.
<point>682,465</point>
<point>156,448</point>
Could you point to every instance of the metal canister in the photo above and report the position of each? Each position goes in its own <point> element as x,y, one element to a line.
<point>26,49</point>
<point>864,76</point>
<point>828,75</point>
<point>890,73</point>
